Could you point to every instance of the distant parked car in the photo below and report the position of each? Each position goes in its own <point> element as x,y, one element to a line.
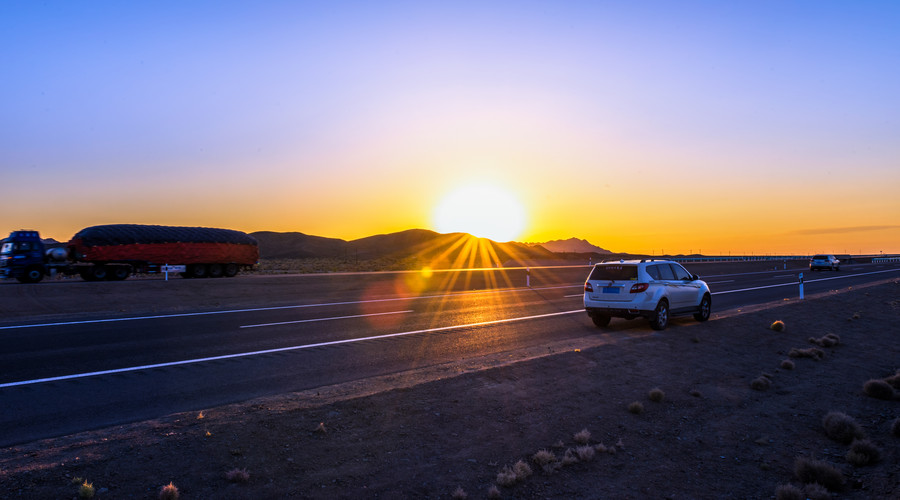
<point>824,261</point>
<point>653,289</point>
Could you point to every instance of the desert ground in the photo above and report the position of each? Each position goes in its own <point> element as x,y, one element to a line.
<point>701,410</point>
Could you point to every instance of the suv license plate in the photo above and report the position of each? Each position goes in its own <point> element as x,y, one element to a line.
<point>611,289</point>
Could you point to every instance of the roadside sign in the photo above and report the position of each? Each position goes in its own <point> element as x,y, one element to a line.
<point>173,269</point>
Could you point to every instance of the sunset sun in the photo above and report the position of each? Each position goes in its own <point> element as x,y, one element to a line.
<point>482,210</point>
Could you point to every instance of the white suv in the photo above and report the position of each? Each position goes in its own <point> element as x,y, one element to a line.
<point>824,262</point>
<point>653,289</point>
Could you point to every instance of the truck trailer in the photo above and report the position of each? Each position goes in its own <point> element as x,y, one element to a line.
<point>116,251</point>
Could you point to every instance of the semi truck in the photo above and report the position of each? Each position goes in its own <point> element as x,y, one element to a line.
<point>116,251</point>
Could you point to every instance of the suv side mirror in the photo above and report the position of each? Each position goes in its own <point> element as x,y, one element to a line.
<point>694,277</point>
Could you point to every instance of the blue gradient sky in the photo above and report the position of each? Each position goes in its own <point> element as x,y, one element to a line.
<point>758,126</point>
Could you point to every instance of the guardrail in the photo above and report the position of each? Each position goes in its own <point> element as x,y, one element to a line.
<point>740,258</point>
<point>886,259</point>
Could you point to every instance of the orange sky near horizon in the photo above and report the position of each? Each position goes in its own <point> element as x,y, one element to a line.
<point>763,127</point>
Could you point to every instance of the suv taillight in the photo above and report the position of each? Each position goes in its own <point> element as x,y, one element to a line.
<point>588,287</point>
<point>639,287</point>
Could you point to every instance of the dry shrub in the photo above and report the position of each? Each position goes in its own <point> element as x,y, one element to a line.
<point>582,436</point>
<point>585,453</point>
<point>506,477</point>
<point>569,457</point>
<point>787,364</point>
<point>841,427</point>
<point>493,492</point>
<point>863,452</point>
<point>601,448</point>
<point>522,470</point>
<point>321,428</point>
<point>656,395</point>
<point>543,457</point>
<point>815,491</point>
<point>895,427</point>
<point>777,326</point>
<point>894,380</point>
<point>812,353</point>
<point>879,389</point>
<point>636,407</point>
<point>86,490</point>
<point>237,476</point>
<point>459,494</point>
<point>169,492</point>
<point>788,492</point>
<point>760,383</point>
<point>811,471</point>
<point>829,340</point>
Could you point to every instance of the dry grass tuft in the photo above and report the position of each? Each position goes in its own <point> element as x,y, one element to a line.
<point>201,416</point>
<point>879,389</point>
<point>760,383</point>
<point>601,448</point>
<point>636,407</point>
<point>777,326</point>
<point>321,428</point>
<point>787,364</point>
<point>811,471</point>
<point>585,453</point>
<point>895,427</point>
<point>522,470</point>
<point>656,395</point>
<point>569,457</point>
<point>86,490</point>
<point>506,477</point>
<point>815,491</point>
<point>788,492</point>
<point>841,427</point>
<point>459,494</point>
<point>493,492</point>
<point>894,380</point>
<point>582,437</point>
<point>543,457</point>
<point>863,452</point>
<point>169,492</point>
<point>237,476</point>
<point>829,340</point>
<point>812,353</point>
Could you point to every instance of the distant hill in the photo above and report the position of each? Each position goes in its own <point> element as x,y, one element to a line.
<point>434,249</point>
<point>572,245</point>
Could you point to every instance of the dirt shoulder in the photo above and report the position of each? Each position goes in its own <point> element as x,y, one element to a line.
<point>425,434</point>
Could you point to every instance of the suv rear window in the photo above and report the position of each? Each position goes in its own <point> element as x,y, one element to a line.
<point>614,272</point>
<point>820,257</point>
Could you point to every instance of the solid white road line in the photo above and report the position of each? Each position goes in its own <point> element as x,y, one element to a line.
<point>281,349</point>
<point>325,319</point>
<point>277,308</point>
<point>795,283</point>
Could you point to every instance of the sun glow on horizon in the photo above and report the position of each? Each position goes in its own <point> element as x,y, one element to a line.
<point>483,210</point>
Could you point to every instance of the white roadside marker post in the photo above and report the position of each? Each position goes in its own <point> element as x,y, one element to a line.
<point>528,277</point>
<point>801,286</point>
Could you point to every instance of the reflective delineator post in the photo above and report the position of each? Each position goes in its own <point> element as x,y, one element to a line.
<point>166,267</point>
<point>801,286</point>
<point>528,277</point>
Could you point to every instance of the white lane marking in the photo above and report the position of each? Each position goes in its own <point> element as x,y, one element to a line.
<point>276,308</point>
<point>576,295</point>
<point>325,319</point>
<point>281,349</point>
<point>783,276</point>
<point>805,281</point>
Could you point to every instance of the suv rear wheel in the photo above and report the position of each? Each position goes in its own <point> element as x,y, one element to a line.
<point>660,319</point>
<point>600,320</point>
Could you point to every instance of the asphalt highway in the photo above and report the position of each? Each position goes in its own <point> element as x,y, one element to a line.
<point>73,372</point>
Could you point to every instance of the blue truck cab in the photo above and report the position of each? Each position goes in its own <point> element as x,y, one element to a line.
<point>22,257</point>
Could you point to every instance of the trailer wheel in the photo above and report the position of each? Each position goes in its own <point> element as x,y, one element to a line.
<point>231,270</point>
<point>215,271</point>
<point>119,273</point>
<point>98,273</point>
<point>32,274</point>
<point>196,271</point>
